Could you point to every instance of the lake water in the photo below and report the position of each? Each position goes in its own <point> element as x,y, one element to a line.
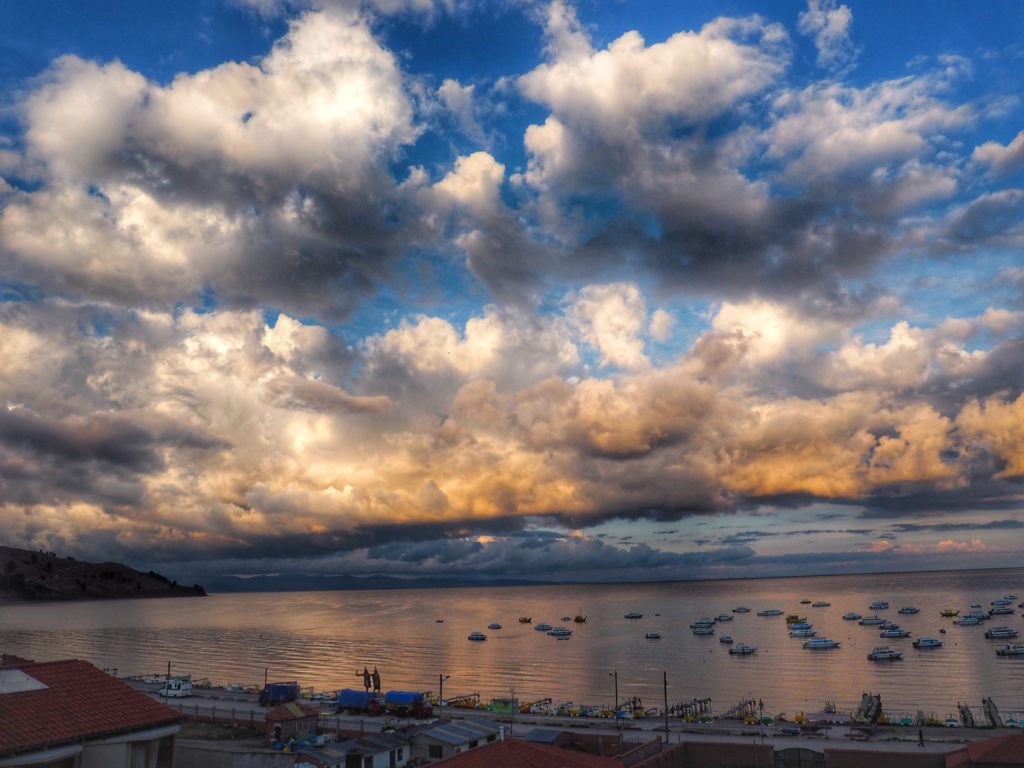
<point>323,639</point>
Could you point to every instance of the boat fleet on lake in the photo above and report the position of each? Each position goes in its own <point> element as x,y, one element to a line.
<point>799,627</point>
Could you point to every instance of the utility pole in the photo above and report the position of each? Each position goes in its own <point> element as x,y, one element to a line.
<point>440,696</point>
<point>665,681</point>
<point>615,706</point>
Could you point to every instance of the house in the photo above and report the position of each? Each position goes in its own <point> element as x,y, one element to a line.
<point>446,738</point>
<point>286,722</point>
<point>516,753</point>
<point>997,752</point>
<point>379,750</point>
<point>69,714</point>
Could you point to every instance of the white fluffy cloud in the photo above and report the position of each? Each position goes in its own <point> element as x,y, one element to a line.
<point>829,25</point>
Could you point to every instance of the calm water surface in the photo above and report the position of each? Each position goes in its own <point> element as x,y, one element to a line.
<point>323,638</point>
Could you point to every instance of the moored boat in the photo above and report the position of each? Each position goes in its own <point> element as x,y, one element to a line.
<point>742,649</point>
<point>1001,633</point>
<point>525,619</point>
<point>477,636</point>
<point>560,632</point>
<point>805,601</point>
<point>927,642</point>
<point>968,621</point>
<point>703,630</point>
<point>820,604</point>
<point>652,636</point>
<point>851,616</point>
<point>871,621</point>
<point>727,639</point>
<point>794,619</point>
<point>803,633</point>
<point>884,653</point>
<point>542,627</point>
<point>897,632</point>
<point>495,625</point>
<point>949,613</point>
<point>909,609</point>
<point>633,615</point>
<point>770,612</point>
<point>879,605</point>
<point>725,617</point>
<point>1001,610</point>
<point>702,623</point>
<point>741,609</point>
<point>1011,649</point>
<point>821,644</point>
<point>579,618</point>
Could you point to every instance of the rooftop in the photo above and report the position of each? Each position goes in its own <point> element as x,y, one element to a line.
<point>516,753</point>
<point>72,700</point>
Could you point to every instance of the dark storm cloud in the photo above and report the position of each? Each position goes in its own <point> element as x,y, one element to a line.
<point>1008,524</point>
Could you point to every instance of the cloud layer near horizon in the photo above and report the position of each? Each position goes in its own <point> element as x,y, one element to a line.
<point>684,311</point>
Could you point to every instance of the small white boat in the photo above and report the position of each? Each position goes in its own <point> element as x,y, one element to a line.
<point>871,621</point>
<point>820,604</point>
<point>741,609</point>
<point>909,609</point>
<point>979,615</point>
<point>851,616</point>
<point>633,615</point>
<point>885,653</point>
<point>727,639</point>
<point>477,636</point>
<point>897,632</point>
<point>652,636</point>
<point>975,605</point>
<point>1001,633</point>
<point>821,643</point>
<point>927,642</point>
<point>541,627</point>
<point>879,605</point>
<point>803,633</point>
<point>967,621</point>
<point>560,632</point>
<point>770,612</point>
<point>741,649</point>
<point>567,618</point>
<point>1001,610</point>
<point>724,617</point>
<point>704,631</point>
<point>703,623</point>
<point>1011,649</point>
<point>495,625</point>
<point>1001,601</point>
<point>799,625</point>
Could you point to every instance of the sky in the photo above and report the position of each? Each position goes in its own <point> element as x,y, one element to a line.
<point>568,291</point>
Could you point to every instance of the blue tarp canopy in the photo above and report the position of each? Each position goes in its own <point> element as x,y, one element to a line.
<point>403,697</point>
<point>353,698</point>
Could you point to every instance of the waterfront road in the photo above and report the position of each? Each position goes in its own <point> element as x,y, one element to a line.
<point>227,706</point>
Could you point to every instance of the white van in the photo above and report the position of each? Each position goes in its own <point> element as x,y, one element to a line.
<point>177,686</point>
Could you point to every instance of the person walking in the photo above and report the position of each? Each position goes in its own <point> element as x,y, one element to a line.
<point>920,737</point>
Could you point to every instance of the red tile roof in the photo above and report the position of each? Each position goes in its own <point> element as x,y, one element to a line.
<point>291,711</point>
<point>79,702</point>
<point>1001,750</point>
<point>516,753</point>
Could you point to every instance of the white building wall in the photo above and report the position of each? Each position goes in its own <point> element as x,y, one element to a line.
<point>116,755</point>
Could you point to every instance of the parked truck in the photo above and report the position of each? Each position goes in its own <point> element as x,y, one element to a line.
<point>408,704</point>
<point>362,702</point>
<point>279,693</point>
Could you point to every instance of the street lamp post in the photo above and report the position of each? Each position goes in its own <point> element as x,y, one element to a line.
<point>440,696</point>
<point>615,706</point>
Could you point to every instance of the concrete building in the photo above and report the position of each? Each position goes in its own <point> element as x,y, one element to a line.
<point>292,721</point>
<point>380,750</point>
<point>447,738</point>
<point>69,714</point>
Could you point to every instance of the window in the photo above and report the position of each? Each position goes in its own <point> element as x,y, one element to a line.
<point>491,738</point>
<point>473,743</point>
<point>434,751</point>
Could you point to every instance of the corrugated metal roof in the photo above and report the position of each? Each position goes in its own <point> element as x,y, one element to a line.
<point>79,702</point>
<point>463,731</point>
<point>543,736</point>
<point>515,753</point>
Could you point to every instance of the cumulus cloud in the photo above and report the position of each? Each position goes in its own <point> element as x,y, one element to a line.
<point>611,318</point>
<point>1002,160</point>
<point>258,182</point>
<point>829,25</point>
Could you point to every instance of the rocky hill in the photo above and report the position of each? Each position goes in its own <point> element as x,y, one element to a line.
<point>30,576</point>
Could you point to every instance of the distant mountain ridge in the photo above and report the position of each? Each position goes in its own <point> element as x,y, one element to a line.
<point>35,576</point>
<point>295,582</point>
